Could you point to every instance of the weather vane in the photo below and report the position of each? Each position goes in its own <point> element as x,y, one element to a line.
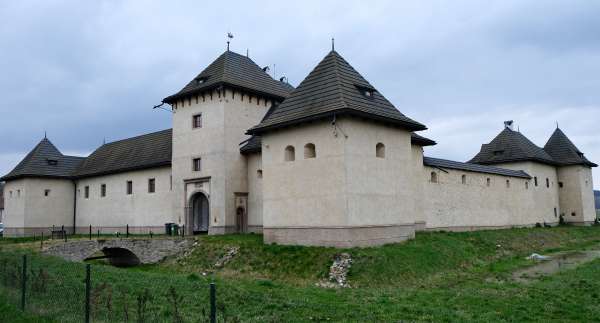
<point>229,38</point>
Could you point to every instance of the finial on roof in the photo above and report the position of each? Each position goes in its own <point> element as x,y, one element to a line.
<point>247,53</point>
<point>45,135</point>
<point>332,44</point>
<point>556,124</point>
<point>229,38</point>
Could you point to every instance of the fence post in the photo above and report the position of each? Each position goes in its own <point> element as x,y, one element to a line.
<point>23,282</point>
<point>42,241</point>
<point>88,285</point>
<point>98,233</point>
<point>183,230</point>
<point>90,232</point>
<point>213,303</point>
<point>127,231</point>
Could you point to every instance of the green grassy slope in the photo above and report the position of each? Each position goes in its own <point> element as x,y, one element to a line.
<point>437,277</point>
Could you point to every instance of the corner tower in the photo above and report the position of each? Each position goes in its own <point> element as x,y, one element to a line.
<point>337,163</point>
<point>575,180</point>
<point>210,117</point>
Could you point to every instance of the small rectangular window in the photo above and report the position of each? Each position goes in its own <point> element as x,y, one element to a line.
<point>46,192</point>
<point>18,193</point>
<point>535,181</point>
<point>547,182</point>
<point>196,164</point>
<point>129,187</point>
<point>197,121</point>
<point>102,190</point>
<point>560,184</point>
<point>151,185</point>
<point>259,173</point>
<point>86,192</point>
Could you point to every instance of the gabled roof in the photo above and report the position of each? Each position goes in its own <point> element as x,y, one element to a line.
<point>45,160</point>
<point>450,164</point>
<point>254,143</point>
<point>236,71</point>
<point>334,87</point>
<point>564,152</point>
<point>141,152</point>
<point>511,146</point>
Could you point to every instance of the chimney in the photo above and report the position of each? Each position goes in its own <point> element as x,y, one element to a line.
<point>509,124</point>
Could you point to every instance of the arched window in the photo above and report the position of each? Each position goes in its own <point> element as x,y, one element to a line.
<point>488,182</point>
<point>464,179</point>
<point>290,153</point>
<point>310,151</point>
<point>380,150</point>
<point>434,178</point>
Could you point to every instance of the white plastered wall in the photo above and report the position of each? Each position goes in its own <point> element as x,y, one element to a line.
<point>141,210</point>
<point>255,192</point>
<point>30,211</point>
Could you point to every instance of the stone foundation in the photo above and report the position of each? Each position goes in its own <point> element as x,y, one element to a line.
<point>480,228</point>
<point>340,237</point>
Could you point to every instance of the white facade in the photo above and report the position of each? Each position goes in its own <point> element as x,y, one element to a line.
<point>343,182</point>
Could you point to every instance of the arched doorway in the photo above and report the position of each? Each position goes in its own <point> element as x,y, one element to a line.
<point>200,213</point>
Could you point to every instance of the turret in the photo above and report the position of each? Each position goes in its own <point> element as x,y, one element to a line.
<point>575,180</point>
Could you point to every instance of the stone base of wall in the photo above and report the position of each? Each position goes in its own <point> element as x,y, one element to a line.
<point>255,229</point>
<point>420,226</point>
<point>340,237</point>
<point>233,229</point>
<point>122,230</point>
<point>581,224</point>
<point>480,228</point>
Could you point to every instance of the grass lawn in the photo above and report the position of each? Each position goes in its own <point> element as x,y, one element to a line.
<point>447,277</point>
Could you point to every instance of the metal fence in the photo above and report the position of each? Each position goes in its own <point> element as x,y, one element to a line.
<point>76,292</point>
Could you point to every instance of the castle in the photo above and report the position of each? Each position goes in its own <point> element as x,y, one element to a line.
<point>331,162</point>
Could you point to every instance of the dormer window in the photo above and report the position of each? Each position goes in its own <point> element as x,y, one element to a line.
<point>52,162</point>
<point>368,92</point>
<point>498,152</point>
<point>580,155</point>
<point>201,80</point>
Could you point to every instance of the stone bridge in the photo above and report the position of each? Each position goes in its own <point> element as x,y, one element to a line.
<point>120,252</point>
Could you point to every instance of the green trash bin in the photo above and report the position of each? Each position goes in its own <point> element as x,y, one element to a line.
<point>169,228</point>
<point>174,229</point>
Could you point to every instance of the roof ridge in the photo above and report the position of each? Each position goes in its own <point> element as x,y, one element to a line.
<point>338,79</point>
<point>135,137</point>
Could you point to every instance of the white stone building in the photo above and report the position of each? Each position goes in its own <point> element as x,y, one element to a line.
<point>331,162</point>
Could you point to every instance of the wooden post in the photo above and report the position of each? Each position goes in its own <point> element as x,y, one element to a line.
<point>88,285</point>
<point>24,282</point>
<point>213,303</point>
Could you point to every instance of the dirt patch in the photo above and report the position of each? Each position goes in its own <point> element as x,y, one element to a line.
<point>554,264</point>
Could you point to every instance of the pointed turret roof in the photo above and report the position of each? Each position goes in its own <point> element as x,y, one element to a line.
<point>334,87</point>
<point>237,71</point>
<point>564,152</point>
<point>45,160</point>
<point>511,146</point>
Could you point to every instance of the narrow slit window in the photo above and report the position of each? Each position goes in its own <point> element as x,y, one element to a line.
<point>46,192</point>
<point>290,153</point>
<point>434,177</point>
<point>380,150</point>
<point>535,180</point>
<point>129,187</point>
<point>151,185</point>
<point>103,190</point>
<point>86,192</point>
<point>526,185</point>
<point>547,182</point>
<point>507,183</point>
<point>488,182</point>
<point>464,179</point>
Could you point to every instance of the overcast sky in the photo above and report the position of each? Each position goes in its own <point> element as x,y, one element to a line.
<point>88,70</point>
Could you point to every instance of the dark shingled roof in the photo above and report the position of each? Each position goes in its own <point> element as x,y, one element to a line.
<point>236,71</point>
<point>443,163</point>
<point>511,146</point>
<point>45,160</point>
<point>141,152</point>
<point>421,141</point>
<point>334,87</point>
<point>564,152</point>
<point>254,144</point>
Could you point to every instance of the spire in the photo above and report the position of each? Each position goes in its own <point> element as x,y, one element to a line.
<point>333,44</point>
